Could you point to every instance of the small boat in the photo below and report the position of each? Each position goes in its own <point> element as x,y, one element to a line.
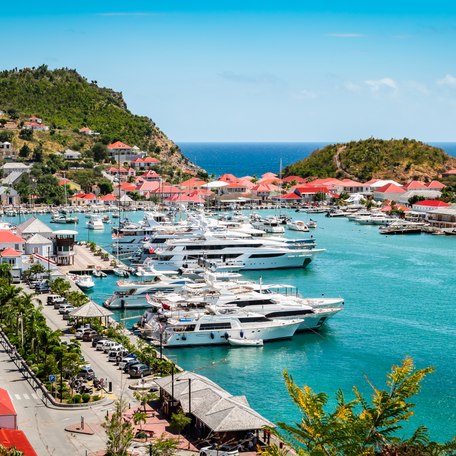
<point>245,342</point>
<point>95,223</point>
<point>85,282</point>
<point>121,272</point>
<point>99,273</point>
<point>312,223</point>
<point>297,225</point>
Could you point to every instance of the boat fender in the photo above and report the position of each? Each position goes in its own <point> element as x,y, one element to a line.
<point>212,335</point>
<point>184,337</point>
<point>242,334</point>
<point>122,303</point>
<point>227,336</point>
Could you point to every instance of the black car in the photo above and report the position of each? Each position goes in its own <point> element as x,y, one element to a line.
<point>130,364</point>
<point>140,370</point>
<point>96,338</point>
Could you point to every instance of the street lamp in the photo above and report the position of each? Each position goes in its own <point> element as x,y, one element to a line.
<point>189,392</point>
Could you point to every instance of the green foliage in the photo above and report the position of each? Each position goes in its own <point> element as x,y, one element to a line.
<point>76,399</point>
<point>26,134</point>
<point>49,191</point>
<point>105,186</point>
<point>10,451</point>
<point>359,427</point>
<point>6,136</point>
<point>24,151</point>
<point>367,158</point>
<point>415,198</point>
<point>85,397</point>
<point>99,152</point>
<point>59,286</point>
<point>179,421</point>
<point>119,432</point>
<point>64,99</point>
<point>163,446</point>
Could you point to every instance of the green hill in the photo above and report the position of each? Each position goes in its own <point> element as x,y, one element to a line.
<point>66,101</point>
<point>400,159</point>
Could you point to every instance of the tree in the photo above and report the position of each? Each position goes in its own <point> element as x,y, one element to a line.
<point>24,151</point>
<point>38,154</point>
<point>162,446</point>
<point>139,417</point>
<point>415,198</point>
<point>5,272</point>
<point>360,426</point>
<point>179,421</point>
<point>34,270</point>
<point>26,134</point>
<point>100,153</point>
<point>49,190</point>
<point>59,286</point>
<point>105,186</point>
<point>119,432</point>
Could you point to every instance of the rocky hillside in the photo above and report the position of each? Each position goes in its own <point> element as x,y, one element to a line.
<point>66,101</point>
<point>402,160</point>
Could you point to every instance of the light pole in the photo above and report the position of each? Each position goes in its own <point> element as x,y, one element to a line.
<point>189,392</point>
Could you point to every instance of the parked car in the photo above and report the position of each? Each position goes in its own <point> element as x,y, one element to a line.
<point>65,308</point>
<point>42,287</point>
<point>113,355</point>
<point>140,370</point>
<point>125,359</point>
<point>130,364</point>
<point>87,336</point>
<point>101,343</point>
<point>110,345</point>
<point>54,299</point>
<point>223,450</point>
<point>96,339</point>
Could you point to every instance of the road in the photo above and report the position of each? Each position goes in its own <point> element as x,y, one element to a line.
<point>45,426</point>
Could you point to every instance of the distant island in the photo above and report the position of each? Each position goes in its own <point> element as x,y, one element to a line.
<point>399,159</point>
<point>76,114</point>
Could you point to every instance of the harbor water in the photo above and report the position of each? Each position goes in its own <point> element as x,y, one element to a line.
<point>399,301</point>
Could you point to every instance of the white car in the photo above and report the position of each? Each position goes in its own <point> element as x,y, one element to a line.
<point>110,345</point>
<point>223,450</point>
<point>100,344</point>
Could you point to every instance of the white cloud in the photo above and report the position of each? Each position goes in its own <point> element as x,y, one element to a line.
<point>352,87</point>
<point>378,84</point>
<point>447,81</point>
<point>346,35</point>
<point>416,86</point>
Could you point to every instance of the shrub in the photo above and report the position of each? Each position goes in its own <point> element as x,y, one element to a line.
<point>97,397</point>
<point>85,398</point>
<point>77,399</point>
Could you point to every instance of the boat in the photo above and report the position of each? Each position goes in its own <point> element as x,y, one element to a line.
<point>297,225</point>
<point>219,329</point>
<point>85,282</point>
<point>234,342</point>
<point>237,253</point>
<point>135,295</point>
<point>97,272</point>
<point>95,223</point>
<point>312,224</point>
<point>64,219</point>
<point>269,225</point>
<point>402,228</point>
<point>121,271</point>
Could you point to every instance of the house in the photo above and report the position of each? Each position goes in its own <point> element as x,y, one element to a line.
<point>88,131</point>
<point>83,199</point>
<point>69,154</point>
<point>192,199</point>
<point>70,184</point>
<point>415,185</point>
<point>16,438</point>
<point>14,259</point>
<point>234,188</point>
<point>126,187</point>
<point>147,187</point>
<point>35,126</point>
<point>449,173</point>
<point>435,185</point>
<point>144,163</point>
<point>9,196</point>
<point>64,247</point>
<point>121,173</point>
<point>443,217</point>
<point>388,192</point>
<point>425,193</point>
<point>123,152</point>
<point>350,186</point>
<point>34,226</point>
<point>38,244</point>
<point>194,183</point>
<point>295,179</point>
<point>151,176</point>
<point>108,199</point>
<point>228,178</point>
<point>7,150</point>
<point>166,190</point>
<point>9,240</point>
<point>429,205</point>
<point>309,192</point>
<point>15,167</point>
<point>8,415</point>
<point>35,119</point>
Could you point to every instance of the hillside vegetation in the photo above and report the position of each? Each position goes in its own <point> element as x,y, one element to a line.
<point>400,159</point>
<point>66,101</point>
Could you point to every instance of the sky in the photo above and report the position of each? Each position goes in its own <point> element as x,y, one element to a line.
<point>307,70</point>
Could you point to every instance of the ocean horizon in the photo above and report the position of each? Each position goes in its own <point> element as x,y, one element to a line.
<point>257,158</point>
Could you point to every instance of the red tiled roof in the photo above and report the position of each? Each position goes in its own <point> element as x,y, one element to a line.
<point>193,182</point>
<point>168,189</point>
<point>6,405</point>
<point>436,185</point>
<point>64,181</point>
<point>89,196</point>
<point>390,188</point>
<point>127,187</point>
<point>432,203</point>
<point>119,145</point>
<point>148,186</point>
<point>351,183</point>
<point>450,172</point>
<point>15,438</point>
<point>268,175</point>
<point>290,196</point>
<point>84,129</point>
<point>108,197</point>
<point>228,178</point>
<point>415,185</point>
<point>7,237</point>
<point>150,173</point>
<point>311,189</point>
<point>261,188</point>
<point>192,198</point>
<point>9,253</point>
<point>388,208</point>
<point>297,179</point>
<point>151,160</point>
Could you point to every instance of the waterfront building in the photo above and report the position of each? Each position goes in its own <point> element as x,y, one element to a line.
<point>64,247</point>
<point>32,226</point>
<point>388,191</point>
<point>444,217</point>
<point>429,205</point>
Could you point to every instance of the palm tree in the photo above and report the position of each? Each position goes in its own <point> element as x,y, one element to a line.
<point>60,286</point>
<point>5,272</point>
<point>139,417</point>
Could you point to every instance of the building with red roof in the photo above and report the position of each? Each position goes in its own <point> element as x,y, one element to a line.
<point>10,240</point>
<point>147,187</point>
<point>234,187</point>
<point>35,126</point>
<point>107,199</point>
<point>288,196</point>
<point>429,205</point>
<point>435,185</point>
<point>449,173</point>
<point>151,176</point>
<point>122,152</point>
<point>228,178</point>
<point>167,190</point>
<point>8,415</point>
<point>415,185</point>
<point>297,179</point>
<point>144,163</point>
<point>388,192</point>
<point>189,198</point>
<point>194,183</point>
<point>127,187</point>
<point>16,439</point>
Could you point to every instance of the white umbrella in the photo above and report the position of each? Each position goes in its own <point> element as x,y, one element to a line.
<point>215,184</point>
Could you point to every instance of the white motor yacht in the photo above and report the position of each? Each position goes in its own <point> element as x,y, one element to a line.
<point>219,329</point>
<point>84,282</point>
<point>297,225</point>
<point>95,223</point>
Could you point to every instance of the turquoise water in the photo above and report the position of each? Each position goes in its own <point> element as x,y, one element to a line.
<point>399,293</point>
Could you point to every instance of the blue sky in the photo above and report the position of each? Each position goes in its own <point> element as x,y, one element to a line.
<point>256,70</point>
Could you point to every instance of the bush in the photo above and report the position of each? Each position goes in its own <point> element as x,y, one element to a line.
<point>76,399</point>
<point>85,398</point>
<point>97,397</point>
